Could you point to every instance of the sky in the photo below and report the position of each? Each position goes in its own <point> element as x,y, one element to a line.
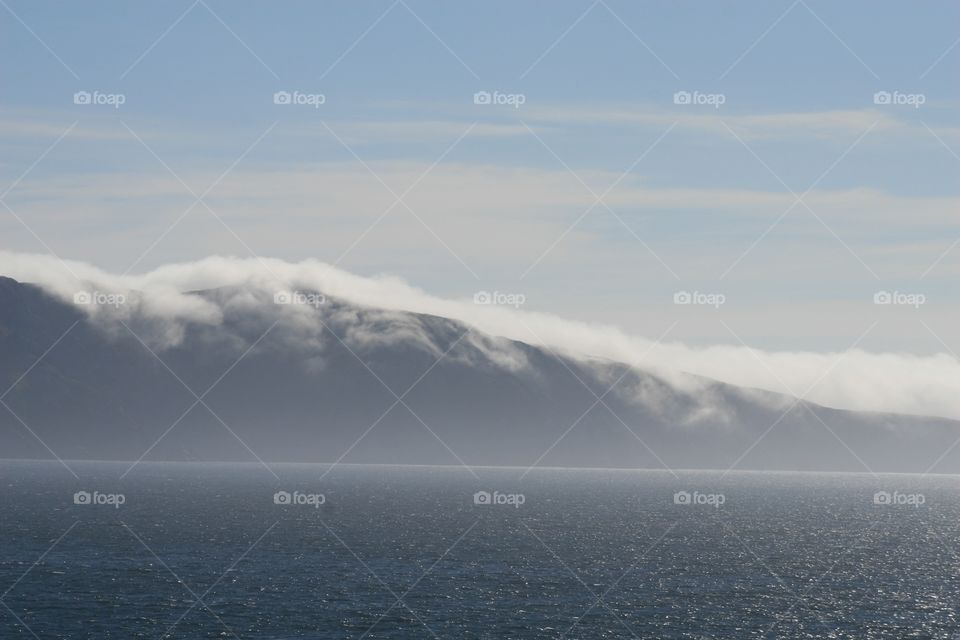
<point>783,163</point>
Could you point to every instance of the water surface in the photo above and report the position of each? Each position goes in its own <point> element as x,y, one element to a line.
<point>205,551</point>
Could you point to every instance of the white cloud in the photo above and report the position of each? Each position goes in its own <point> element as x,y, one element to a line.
<point>770,125</point>
<point>49,125</point>
<point>853,379</point>
<point>822,125</point>
<point>392,131</point>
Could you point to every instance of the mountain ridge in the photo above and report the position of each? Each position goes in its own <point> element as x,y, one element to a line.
<point>368,385</point>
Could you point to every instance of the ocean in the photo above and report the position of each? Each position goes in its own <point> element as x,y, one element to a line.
<point>229,551</point>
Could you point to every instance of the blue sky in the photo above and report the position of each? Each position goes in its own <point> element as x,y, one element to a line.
<point>701,196</point>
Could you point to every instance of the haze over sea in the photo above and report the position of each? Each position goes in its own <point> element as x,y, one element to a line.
<point>186,550</point>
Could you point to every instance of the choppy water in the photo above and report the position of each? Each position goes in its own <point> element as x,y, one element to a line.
<point>203,551</point>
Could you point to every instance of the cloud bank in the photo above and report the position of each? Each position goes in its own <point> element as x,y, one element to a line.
<point>853,379</point>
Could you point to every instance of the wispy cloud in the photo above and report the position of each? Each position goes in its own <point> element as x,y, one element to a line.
<point>345,190</point>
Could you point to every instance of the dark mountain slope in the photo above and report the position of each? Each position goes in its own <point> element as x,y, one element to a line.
<point>323,384</point>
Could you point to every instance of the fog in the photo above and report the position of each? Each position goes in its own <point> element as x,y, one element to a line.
<point>854,379</point>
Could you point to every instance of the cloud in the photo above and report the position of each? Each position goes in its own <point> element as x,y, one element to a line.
<point>490,217</point>
<point>852,379</point>
<point>48,125</point>
<point>382,131</point>
<point>482,191</point>
<point>776,125</point>
<point>755,126</point>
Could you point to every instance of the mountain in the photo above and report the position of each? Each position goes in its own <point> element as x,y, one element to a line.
<point>336,381</point>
